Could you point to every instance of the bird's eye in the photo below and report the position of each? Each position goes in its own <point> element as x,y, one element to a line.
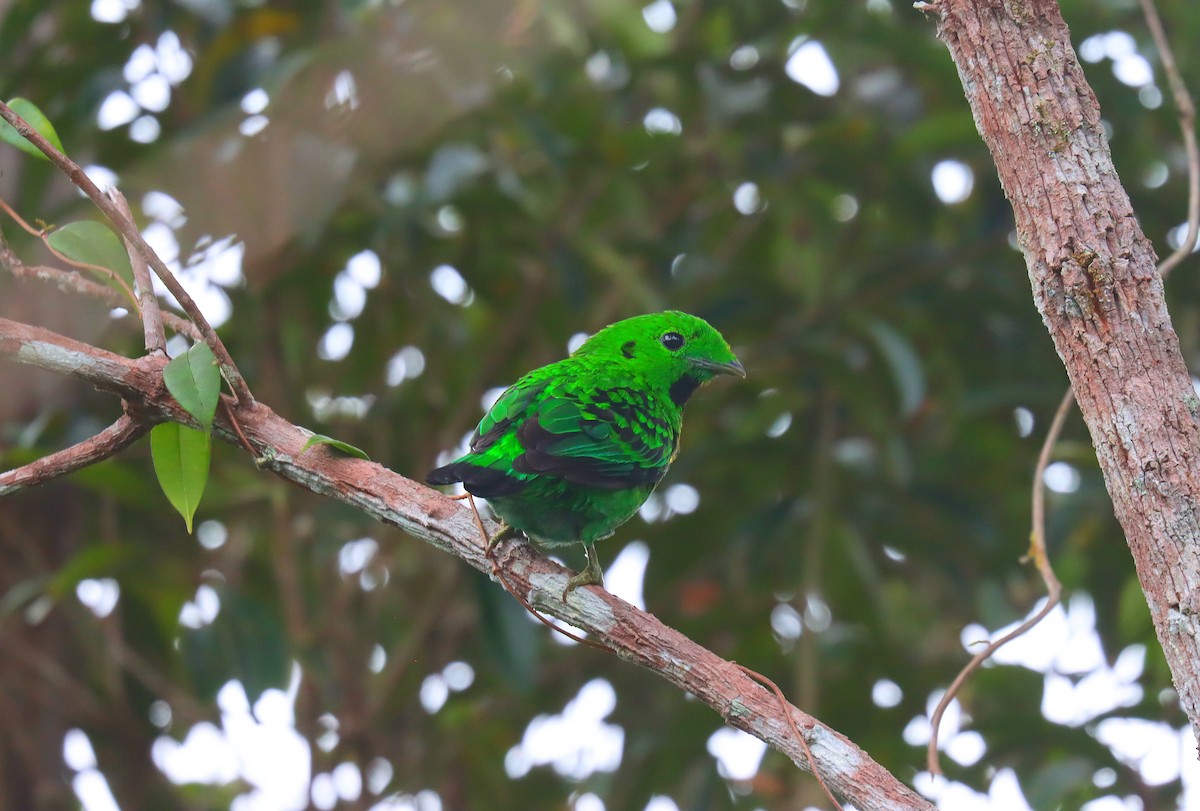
<point>672,341</point>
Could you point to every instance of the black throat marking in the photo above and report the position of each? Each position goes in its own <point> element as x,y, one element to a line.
<point>682,389</point>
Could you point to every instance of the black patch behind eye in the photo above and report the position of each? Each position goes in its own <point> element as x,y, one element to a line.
<point>627,348</point>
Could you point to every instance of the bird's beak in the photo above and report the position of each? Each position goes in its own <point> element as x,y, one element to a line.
<point>730,368</point>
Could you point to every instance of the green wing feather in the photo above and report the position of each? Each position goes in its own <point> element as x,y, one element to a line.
<point>552,425</point>
<point>609,438</point>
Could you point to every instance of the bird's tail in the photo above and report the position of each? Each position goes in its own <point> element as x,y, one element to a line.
<point>485,482</point>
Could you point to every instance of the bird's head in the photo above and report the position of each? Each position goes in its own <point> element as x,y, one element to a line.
<point>670,349</point>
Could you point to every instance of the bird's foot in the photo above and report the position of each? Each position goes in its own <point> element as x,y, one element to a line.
<point>504,533</point>
<point>592,575</point>
<point>490,541</point>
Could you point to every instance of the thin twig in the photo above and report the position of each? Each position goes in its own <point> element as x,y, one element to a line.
<point>1037,553</point>
<point>498,573</point>
<point>113,439</point>
<point>787,716</point>
<point>237,429</point>
<point>129,231</point>
<point>68,281</point>
<point>1187,124</point>
<point>152,325</point>
<point>1037,535</point>
<point>821,494</point>
<point>44,235</point>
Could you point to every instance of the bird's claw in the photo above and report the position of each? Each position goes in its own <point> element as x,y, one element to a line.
<point>592,575</point>
<point>501,534</point>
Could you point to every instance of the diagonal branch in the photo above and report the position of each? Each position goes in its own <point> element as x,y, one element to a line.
<point>44,235</point>
<point>68,281</point>
<point>130,232</point>
<point>109,442</point>
<point>152,324</point>
<point>633,634</point>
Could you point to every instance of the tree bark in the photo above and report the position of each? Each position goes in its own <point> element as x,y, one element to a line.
<point>1098,291</point>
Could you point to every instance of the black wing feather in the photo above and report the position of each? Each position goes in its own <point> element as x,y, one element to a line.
<point>484,482</point>
<point>590,471</point>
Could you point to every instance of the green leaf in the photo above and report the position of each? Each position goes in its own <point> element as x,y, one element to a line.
<point>1051,785</point>
<point>119,480</point>
<point>101,560</point>
<point>904,363</point>
<point>37,119</point>
<point>22,594</point>
<point>195,381</point>
<point>181,456</point>
<point>337,444</point>
<point>94,243</point>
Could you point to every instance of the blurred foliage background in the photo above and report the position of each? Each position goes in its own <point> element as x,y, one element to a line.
<point>394,208</point>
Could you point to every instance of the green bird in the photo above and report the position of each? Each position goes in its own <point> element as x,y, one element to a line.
<point>571,450</point>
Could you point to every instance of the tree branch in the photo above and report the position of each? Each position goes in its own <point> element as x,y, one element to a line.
<point>447,524</point>
<point>69,281</point>
<point>109,442</point>
<point>152,325</point>
<point>1037,553</point>
<point>130,232</point>
<point>1037,549</point>
<point>1096,286</point>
